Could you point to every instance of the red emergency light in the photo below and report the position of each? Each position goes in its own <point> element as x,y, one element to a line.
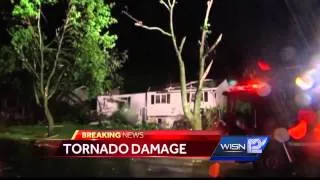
<point>299,131</point>
<point>263,65</point>
<point>316,132</point>
<point>250,86</point>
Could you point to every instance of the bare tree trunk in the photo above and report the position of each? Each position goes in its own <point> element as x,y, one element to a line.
<point>197,110</point>
<point>48,115</point>
<point>195,116</point>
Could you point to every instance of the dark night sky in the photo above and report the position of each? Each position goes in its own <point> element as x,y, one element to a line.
<point>252,29</point>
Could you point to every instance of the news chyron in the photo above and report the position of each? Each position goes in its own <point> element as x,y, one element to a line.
<point>105,135</point>
<point>240,148</point>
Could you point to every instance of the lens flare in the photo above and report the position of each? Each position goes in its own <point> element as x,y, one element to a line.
<point>214,170</point>
<point>233,83</point>
<point>298,131</point>
<point>303,100</point>
<point>315,61</point>
<point>316,132</point>
<point>264,91</point>
<point>306,82</point>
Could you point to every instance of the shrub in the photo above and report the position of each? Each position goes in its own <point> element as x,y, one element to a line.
<point>211,117</point>
<point>182,124</point>
<point>116,125</point>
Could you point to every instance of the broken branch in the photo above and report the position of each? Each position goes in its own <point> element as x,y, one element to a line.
<point>182,44</point>
<point>140,24</point>
<point>214,45</point>
<point>205,74</point>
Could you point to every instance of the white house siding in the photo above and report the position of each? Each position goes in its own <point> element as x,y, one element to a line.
<point>138,103</point>
<point>172,111</point>
<point>173,108</point>
<point>168,112</point>
<point>221,99</point>
<point>105,106</point>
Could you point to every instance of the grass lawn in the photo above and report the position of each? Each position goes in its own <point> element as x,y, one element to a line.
<point>33,132</point>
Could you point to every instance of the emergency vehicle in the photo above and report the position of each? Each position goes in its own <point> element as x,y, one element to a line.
<point>257,106</point>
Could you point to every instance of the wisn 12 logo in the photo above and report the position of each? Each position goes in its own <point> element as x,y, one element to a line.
<point>240,148</point>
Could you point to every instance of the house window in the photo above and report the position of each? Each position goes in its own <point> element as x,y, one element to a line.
<point>152,99</point>
<point>163,99</point>
<point>205,94</point>
<point>160,99</point>
<point>190,97</point>
<point>127,100</point>
<point>157,99</point>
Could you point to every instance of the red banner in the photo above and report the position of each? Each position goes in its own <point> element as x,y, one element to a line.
<point>138,144</point>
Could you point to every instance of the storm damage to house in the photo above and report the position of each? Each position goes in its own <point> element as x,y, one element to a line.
<point>162,106</point>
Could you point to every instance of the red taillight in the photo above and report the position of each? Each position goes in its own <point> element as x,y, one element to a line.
<point>299,131</point>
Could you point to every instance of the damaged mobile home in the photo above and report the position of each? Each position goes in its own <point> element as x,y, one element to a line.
<point>163,106</point>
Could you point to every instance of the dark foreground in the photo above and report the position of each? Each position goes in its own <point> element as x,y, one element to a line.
<point>24,160</point>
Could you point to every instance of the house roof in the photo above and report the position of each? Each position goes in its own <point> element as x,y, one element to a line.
<point>209,83</point>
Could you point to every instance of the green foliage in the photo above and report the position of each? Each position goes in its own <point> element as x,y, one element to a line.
<point>81,53</point>
<point>210,116</point>
<point>120,126</point>
<point>94,60</point>
<point>8,61</point>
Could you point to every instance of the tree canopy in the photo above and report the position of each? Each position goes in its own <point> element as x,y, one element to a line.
<point>81,50</point>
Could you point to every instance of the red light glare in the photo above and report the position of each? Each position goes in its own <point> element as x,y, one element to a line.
<point>299,131</point>
<point>308,115</point>
<point>250,86</point>
<point>264,66</point>
<point>214,170</point>
<point>316,132</point>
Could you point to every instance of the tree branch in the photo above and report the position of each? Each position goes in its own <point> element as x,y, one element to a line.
<point>151,28</point>
<point>34,34</point>
<point>165,4</point>
<point>182,44</point>
<point>173,36</point>
<point>54,89</point>
<point>186,108</point>
<point>29,68</point>
<point>213,47</point>
<point>41,53</point>
<point>36,94</point>
<point>203,37</point>
<point>205,74</point>
<point>58,51</point>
